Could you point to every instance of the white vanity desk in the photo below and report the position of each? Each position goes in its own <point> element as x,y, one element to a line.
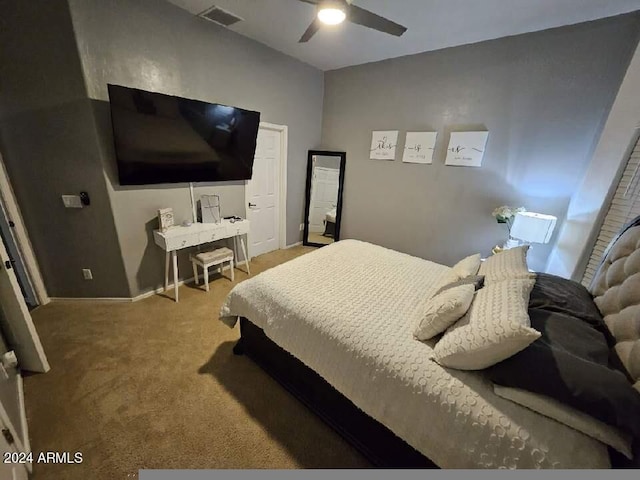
<point>179,237</point>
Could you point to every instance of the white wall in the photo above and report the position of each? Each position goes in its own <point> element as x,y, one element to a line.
<point>575,241</point>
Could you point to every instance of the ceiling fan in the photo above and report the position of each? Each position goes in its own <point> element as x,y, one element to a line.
<point>333,12</point>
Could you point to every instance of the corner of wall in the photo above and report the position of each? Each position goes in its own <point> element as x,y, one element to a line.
<point>579,231</point>
<point>47,94</point>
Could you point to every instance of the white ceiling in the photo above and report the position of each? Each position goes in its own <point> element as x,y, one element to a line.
<point>432,24</point>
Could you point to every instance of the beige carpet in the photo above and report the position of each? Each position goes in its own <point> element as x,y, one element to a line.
<point>319,238</point>
<point>154,384</point>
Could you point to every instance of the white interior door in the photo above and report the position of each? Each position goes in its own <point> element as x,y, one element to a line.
<point>324,196</point>
<point>13,418</point>
<point>15,320</point>
<point>263,193</point>
<point>11,405</point>
<point>10,471</point>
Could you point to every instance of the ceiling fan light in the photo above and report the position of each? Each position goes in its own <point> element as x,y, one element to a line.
<point>331,15</point>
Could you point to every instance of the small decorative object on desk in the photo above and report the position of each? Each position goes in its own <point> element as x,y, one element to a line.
<point>165,219</point>
<point>210,208</point>
<point>505,214</point>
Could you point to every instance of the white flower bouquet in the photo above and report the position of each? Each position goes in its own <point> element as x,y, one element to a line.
<point>506,214</point>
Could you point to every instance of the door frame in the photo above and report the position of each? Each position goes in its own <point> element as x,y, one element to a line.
<point>26,342</point>
<point>21,236</point>
<point>282,172</point>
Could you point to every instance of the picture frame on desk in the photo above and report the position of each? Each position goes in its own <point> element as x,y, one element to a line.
<point>165,219</point>
<point>210,208</point>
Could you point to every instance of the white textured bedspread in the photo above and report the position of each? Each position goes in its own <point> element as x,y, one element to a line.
<point>348,311</point>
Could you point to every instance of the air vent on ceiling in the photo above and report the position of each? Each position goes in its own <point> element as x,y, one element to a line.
<point>220,16</point>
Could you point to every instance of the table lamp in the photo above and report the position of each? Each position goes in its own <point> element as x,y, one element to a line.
<point>531,227</point>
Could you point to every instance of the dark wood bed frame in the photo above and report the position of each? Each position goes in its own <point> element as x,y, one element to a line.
<point>376,442</point>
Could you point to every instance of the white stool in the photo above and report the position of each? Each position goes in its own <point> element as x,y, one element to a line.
<point>210,259</point>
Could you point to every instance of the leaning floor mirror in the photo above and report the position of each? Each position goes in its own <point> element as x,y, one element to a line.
<point>323,207</point>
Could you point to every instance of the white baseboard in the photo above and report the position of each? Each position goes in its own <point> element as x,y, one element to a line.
<point>90,299</point>
<point>160,290</point>
<point>144,295</point>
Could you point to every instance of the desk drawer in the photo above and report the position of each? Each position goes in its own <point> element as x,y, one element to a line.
<point>238,228</point>
<point>181,241</point>
<point>212,235</point>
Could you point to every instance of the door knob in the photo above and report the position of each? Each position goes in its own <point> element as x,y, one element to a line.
<point>251,204</point>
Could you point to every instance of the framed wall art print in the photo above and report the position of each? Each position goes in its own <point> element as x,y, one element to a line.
<point>466,149</point>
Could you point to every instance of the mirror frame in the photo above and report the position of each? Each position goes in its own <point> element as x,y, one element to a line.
<point>307,203</point>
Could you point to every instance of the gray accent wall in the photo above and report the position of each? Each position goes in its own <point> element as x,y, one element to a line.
<point>156,46</point>
<point>48,143</point>
<point>542,96</point>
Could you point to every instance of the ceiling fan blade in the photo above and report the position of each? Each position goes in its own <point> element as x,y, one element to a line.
<point>371,20</point>
<point>312,2</point>
<point>311,31</point>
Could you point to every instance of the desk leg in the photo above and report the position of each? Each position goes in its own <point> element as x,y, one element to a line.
<point>174,258</point>
<point>235,250</point>
<point>244,252</point>
<point>166,270</point>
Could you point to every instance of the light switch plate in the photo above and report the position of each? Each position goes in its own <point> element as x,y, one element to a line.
<point>72,201</point>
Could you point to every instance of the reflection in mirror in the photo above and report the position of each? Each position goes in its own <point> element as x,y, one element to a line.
<point>323,197</point>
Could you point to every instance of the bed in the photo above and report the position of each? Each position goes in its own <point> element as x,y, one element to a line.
<point>335,327</point>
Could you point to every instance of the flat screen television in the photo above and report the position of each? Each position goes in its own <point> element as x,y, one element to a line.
<point>165,139</point>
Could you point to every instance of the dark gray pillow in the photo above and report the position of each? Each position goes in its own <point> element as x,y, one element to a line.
<point>570,363</point>
<point>476,280</point>
<point>555,294</point>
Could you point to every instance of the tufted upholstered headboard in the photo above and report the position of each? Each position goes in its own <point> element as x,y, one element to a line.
<point>616,291</point>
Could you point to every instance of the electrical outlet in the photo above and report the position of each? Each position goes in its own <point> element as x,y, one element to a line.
<point>301,226</point>
<point>86,273</point>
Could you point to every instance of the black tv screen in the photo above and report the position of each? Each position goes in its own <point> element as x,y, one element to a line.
<point>165,139</point>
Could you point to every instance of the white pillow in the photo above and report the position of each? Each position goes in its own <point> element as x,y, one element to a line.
<point>450,276</point>
<point>511,263</point>
<point>443,310</point>
<point>569,416</point>
<point>467,266</point>
<point>496,327</point>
